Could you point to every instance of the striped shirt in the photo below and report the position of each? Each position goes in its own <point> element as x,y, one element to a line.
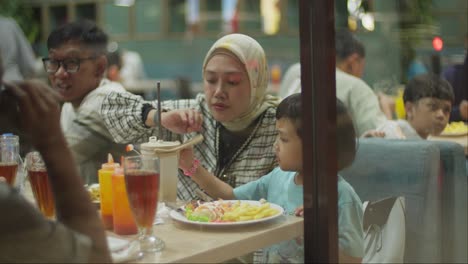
<point>122,114</point>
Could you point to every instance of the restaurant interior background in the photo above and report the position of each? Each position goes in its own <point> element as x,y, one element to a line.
<point>172,37</point>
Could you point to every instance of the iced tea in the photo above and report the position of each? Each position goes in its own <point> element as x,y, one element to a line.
<point>8,171</point>
<point>42,192</point>
<point>142,189</point>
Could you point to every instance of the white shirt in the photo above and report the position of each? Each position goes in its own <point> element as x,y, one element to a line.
<point>361,102</point>
<point>86,132</point>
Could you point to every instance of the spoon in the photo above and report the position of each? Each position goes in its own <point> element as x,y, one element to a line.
<point>195,140</point>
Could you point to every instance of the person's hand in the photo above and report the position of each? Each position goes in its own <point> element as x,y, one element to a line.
<point>186,158</point>
<point>182,121</point>
<point>373,133</point>
<point>464,110</point>
<point>39,112</point>
<point>299,211</point>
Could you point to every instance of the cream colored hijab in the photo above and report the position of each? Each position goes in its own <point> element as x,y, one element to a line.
<point>252,56</point>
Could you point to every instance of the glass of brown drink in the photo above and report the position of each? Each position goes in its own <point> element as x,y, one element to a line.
<point>142,183</point>
<point>9,153</point>
<point>40,185</point>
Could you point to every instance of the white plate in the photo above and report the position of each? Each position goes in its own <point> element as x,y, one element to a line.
<point>178,216</point>
<point>454,134</point>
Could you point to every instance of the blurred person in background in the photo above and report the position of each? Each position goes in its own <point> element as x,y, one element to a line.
<point>361,102</point>
<point>457,76</point>
<point>428,102</point>
<point>114,65</point>
<point>18,56</point>
<point>358,97</point>
<point>291,82</point>
<point>76,68</point>
<point>132,69</point>
<point>77,236</point>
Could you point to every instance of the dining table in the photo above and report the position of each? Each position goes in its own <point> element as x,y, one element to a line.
<point>198,243</point>
<point>192,242</point>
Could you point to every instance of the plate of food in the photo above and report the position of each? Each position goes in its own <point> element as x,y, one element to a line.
<point>94,194</point>
<point>455,129</point>
<point>226,212</point>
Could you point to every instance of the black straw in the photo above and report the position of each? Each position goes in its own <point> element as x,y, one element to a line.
<point>158,86</point>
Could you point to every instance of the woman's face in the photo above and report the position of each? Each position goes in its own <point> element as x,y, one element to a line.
<point>227,87</point>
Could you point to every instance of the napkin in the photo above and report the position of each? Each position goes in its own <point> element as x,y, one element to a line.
<point>123,250</point>
<point>161,214</point>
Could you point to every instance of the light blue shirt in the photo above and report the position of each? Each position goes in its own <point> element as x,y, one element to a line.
<point>278,187</point>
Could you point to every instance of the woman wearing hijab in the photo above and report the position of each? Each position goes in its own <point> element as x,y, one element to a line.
<point>236,116</point>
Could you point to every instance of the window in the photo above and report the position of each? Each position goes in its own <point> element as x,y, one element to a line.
<point>116,19</point>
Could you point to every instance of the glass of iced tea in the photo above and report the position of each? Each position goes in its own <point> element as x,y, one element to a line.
<point>142,183</point>
<point>9,153</point>
<point>39,180</point>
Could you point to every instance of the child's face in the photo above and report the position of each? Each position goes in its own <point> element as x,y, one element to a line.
<point>429,115</point>
<point>288,146</point>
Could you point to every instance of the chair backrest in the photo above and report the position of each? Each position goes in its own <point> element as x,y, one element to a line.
<point>384,168</point>
<point>454,181</point>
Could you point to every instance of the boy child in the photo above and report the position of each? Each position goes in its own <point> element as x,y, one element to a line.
<point>428,101</point>
<point>283,185</point>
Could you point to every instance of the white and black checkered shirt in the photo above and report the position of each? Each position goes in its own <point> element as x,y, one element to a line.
<point>123,117</point>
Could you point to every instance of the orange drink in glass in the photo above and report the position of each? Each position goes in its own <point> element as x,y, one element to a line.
<point>124,223</point>
<point>105,189</point>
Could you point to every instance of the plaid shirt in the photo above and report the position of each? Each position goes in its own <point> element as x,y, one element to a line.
<point>122,113</point>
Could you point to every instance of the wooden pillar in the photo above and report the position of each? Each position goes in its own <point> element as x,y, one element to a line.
<point>317,46</point>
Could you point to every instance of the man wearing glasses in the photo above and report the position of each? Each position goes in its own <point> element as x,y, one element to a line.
<point>75,67</point>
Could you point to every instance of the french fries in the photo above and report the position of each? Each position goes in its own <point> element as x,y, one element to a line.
<point>94,192</point>
<point>456,127</point>
<point>245,211</point>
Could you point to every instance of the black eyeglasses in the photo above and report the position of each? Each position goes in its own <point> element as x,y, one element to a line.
<point>70,65</point>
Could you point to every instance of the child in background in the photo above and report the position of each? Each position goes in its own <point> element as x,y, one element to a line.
<point>428,101</point>
<point>284,185</point>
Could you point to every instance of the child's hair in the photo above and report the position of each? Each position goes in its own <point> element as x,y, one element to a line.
<point>345,136</point>
<point>291,108</point>
<point>428,85</point>
<point>84,32</point>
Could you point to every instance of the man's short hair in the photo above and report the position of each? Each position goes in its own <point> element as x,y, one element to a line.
<point>114,58</point>
<point>428,85</point>
<point>84,32</point>
<point>291,108</point>
<point>346,44</point>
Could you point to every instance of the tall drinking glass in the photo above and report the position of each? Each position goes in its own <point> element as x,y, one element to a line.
<point>40,184</point>
<point>142,183</point>
<point>9,153</point>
